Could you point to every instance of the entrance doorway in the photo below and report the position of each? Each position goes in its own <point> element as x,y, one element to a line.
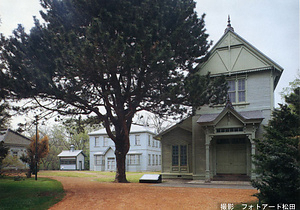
<point>111,164</point>
<point>80,165</point>
<point>231,156</point>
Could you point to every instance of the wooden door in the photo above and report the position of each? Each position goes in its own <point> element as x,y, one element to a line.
<point>111,164</point>
<point>231,156</point>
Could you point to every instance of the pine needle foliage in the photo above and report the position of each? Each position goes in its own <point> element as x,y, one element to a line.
<point>112,59</point>
<point>278,159</point>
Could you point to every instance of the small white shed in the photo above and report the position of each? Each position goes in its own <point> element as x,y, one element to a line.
<point>71,159</point>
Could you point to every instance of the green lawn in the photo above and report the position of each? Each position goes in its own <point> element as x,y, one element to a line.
<point>29,194</point>
<point>67,173</point>
<point>100,176</point>
<point>132,177</point>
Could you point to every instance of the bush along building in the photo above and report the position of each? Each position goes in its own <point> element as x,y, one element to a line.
<point>217,142</point>
<point>144,153</point>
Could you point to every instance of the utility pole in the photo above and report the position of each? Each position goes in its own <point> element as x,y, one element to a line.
<point>36,150</point>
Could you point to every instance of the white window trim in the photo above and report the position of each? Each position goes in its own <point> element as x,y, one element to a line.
<point>236,82</point>
<point>137,140</point>
<point>97,139</point>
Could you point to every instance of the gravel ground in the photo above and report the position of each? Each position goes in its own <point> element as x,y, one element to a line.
<point>84,193</point>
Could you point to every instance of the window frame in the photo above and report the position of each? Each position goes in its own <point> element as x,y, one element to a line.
<point>178,159</point>
<point>97,141</point>
<point>106,141</point>
<point>134,159</point>
<point>236,90</point>
<point>149,159</point>
<point>137,140</point>
<point>68,161</point>
<point>101,160</point>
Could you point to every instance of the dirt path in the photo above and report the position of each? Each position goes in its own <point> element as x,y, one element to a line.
<point>83,193</point>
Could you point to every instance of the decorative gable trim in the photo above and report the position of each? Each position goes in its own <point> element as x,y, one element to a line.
<point>228,56</point>
<point>244,117</point>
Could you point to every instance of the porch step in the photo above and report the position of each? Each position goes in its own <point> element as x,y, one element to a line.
<point>231,177</point>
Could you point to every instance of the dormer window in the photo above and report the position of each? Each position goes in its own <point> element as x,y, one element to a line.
<point>237,90</point>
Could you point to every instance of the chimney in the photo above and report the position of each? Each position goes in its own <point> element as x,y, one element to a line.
<point>72,148</point>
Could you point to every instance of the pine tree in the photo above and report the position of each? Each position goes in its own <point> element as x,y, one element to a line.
<point>112,59</point>
<point>277,161</point>
<point>4,116</point>
<point>3,153</point>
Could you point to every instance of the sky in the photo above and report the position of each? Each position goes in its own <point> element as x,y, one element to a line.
<point>272,26</point>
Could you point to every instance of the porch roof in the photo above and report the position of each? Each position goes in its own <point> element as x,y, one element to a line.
<point>247,115</point>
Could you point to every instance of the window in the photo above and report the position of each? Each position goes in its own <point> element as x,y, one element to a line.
<point>183,155</point>
<point>67,161</point>
<point>179,158</point>
<point>149,140</point>
<point>99,160</point>
<point>237,90</point>
<point>149,159</point>
<point>15,153</point>
<point>137,140</point>
<point>153,159</point>
<point>105,141</point>
<point>156,162</point>
<point>97,142</point>
<point>227,130</point>
<point>231,91</point>
<point>133,159</point>
<point>175,155</point>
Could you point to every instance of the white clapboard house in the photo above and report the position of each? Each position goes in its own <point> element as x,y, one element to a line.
<point>144,153</point>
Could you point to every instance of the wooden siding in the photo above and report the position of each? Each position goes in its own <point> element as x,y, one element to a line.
<point>178,136</point>
<point>258,91</point>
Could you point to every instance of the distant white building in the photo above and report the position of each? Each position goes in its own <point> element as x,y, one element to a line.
<point>71,159</point>
<point>17,144</point>
<point>144,153</point>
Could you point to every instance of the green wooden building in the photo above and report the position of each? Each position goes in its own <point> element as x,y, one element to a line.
<point>217,143</point>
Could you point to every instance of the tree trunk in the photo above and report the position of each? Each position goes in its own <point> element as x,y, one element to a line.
<point>121,167</point>
<point>28,174</point>
<point>122,148</point>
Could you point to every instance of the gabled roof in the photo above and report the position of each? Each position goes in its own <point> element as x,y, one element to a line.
<point>69,153</point>
<point>232,55</point>
<point>185,124</point>
<point>11,137</point>
<point>104,152</point>
<point>134,129</point>
<point>244,117</point>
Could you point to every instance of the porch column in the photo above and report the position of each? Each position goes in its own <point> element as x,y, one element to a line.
<point>207,161</point>
<point>251,137</point>
<point>253,174</point>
